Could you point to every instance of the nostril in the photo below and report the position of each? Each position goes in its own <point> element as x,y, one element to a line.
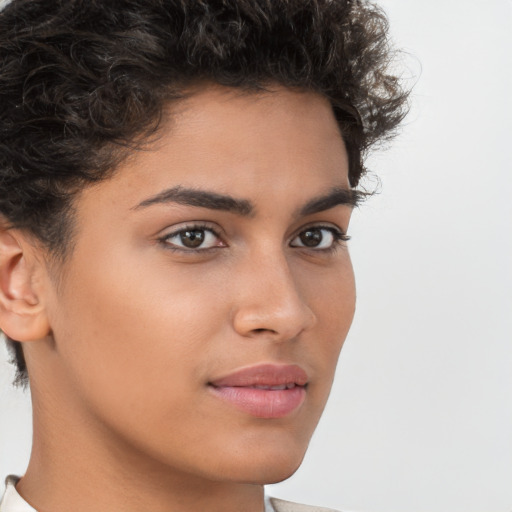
<point>257,331</point>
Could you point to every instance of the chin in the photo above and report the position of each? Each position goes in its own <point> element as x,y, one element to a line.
<point>266,466</point>
<point>271,473</point>
<point>276,475</point>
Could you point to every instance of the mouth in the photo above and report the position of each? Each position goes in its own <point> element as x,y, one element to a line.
<point>264,391</point>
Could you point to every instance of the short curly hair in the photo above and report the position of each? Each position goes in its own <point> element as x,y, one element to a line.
<point>84,82</point>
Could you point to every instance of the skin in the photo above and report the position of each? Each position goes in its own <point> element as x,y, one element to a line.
<point>125,342</point>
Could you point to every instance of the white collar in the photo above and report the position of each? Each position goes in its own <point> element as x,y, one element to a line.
<point>12,501</point>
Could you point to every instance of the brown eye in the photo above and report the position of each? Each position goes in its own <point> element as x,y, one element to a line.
<point>318,238</point>
<point>193,238</point>
<point>311,237</point>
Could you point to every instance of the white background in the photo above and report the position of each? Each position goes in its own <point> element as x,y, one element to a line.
<point>420,418</point>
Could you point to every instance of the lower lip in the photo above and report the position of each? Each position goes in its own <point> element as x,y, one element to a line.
<point>263,403</point>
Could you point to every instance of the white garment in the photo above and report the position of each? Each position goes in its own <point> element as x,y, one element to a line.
<point>13,502</point>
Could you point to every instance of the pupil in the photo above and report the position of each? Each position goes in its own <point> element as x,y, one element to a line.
<point>311,238</point>
<point>192,239</point>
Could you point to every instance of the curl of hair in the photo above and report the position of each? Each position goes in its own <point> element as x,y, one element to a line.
<point>84,82</point>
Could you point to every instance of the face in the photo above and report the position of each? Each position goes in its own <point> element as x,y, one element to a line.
<point>201,313</point>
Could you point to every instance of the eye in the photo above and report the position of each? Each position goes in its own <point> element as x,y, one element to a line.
<point>193,238</point>
<point>319,238</point>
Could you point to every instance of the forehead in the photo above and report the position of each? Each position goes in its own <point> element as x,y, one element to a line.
<point>278,117</point>
<point>273,143</point>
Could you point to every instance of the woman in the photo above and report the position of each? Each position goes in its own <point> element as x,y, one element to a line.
<point>177,185</point>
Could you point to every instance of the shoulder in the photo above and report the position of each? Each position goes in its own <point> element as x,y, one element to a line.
<point>288,506</point>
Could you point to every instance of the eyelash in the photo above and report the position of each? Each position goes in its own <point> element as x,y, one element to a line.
<point>339,238</point>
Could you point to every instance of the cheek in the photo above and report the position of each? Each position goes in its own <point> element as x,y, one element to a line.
<point>331,296</point>
<point>128,333</point>
<point>340,305</point>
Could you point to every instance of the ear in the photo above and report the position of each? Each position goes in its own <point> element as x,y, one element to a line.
<point>22,312</point>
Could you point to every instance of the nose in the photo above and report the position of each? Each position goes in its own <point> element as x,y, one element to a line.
<point>269,303</point>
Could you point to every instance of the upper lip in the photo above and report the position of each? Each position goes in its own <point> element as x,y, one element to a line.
<point>264,375</point>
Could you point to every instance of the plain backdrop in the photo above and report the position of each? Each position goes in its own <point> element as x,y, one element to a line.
<point>420,417</point>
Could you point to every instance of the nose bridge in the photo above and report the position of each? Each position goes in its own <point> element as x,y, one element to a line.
<point>270,300</point>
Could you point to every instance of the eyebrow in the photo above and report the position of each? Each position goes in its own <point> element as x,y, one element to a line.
<point>200,198</point>
<point>215,201</point>
<point>335,197</point>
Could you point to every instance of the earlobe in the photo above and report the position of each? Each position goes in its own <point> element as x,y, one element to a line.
<point>22,312</point>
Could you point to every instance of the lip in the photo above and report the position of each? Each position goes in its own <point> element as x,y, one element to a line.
<point>264,391</point>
